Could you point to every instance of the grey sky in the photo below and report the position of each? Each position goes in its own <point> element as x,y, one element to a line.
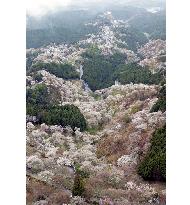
<point>40,7</point>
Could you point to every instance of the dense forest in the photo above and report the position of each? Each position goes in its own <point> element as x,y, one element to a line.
<point>42,37</point>
<point>38,103</point>
<point>101,71</point>
<point>153,167</point>
<point>134,73</point>
<point>161,103</point>
<point>153,24</point>
<point>133,37</point>
<point>65,71</point>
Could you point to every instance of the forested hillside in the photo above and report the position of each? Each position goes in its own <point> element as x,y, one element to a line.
<point>96,105</point>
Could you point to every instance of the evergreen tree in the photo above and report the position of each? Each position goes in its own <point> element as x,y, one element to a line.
<point>153,167</point>
<point>78,187</point>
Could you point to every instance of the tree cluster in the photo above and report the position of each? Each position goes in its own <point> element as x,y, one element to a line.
<point>44,36</point>
<point>137,74</point>
<point>67,115</point>
<point>37,77</point>
<point>133,37</point>
<point>78,187</point>
<point>65,71</point>
<point>152,23</point>
<point>101,71</point>
<point>161,103</point>
<point>38,104</point>
<point>37,97</point>
<point>153,167</point>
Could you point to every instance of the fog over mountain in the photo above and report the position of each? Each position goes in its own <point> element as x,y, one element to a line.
<point>64,21</point>
<point>41,7</point>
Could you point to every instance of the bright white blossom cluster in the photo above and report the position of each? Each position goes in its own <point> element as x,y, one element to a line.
<point>61,53</point>
<point>126,159</point>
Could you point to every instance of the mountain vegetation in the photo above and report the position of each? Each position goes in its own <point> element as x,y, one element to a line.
<point>42,37</point>
<point>153,167</point>
<point>59,27</point>
<point>95,106</point>
<point>134,73</point>
<point>38,104</point>
<point>133,36</point>
<point>68,26</point>
<point>101,71</point>
<point>161,103</point>
<point>152,23</point>
<point>65,71</point>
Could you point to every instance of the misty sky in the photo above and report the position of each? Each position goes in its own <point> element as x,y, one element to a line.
<point>40,7</point>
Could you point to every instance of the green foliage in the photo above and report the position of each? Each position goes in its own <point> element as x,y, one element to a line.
<point>38,96</point>
<point>127,118</point>
<point>94,130</point>
<point>38,104</point>
<point>133,37</point>
<point>97,73</point>
<point>42,37</point>
<point>78,187</point>
<point>117,59</point>
<point>83,174</point>
<point>99,69</point>
<point>29,59</point>
<point>65,71</point>
<point>92,51</point>
<point>79,180</point>
<point>153,24</point>
<point>134,73</point>
<point>64,116</point>
<point>134,109</point>
<point>37,77</point>
<point>161,103</point>
<point>95,96</point>
<point>153,167</point>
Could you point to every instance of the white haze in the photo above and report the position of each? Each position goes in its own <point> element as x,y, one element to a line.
<point>41,7</point>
